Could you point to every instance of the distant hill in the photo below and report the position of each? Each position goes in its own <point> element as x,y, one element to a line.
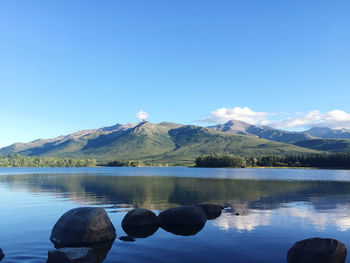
<point>265,132</point>
<point>165,143</point>
<point>323,132</point>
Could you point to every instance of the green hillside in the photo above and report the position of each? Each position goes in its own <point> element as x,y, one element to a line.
<point>164,143</point>
<point>329,145</point>
<point>192,141</point>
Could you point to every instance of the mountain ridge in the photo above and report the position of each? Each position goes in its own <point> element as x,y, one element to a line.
<point>164,143</point>
<point>265,132</point>
<point>328,133</point>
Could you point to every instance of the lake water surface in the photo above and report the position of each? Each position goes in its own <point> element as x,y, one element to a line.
<point>276,207</point>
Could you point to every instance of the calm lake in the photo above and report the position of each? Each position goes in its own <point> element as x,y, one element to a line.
<point>276,207</point>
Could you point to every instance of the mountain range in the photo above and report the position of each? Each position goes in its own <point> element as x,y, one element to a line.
<point>169,143</point>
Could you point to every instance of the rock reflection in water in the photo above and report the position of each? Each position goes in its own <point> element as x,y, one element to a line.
<point>185,230</point>
<point>100,249</point>
<point>143,232</point>
<point>140,232</point>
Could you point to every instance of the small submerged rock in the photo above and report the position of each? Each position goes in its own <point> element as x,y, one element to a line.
<point>140,223</point>
<point>72,255</point>
<point>183,220</point>
<point>83,226</point>
<point>317,250</point>
<point>227,208</point>
<point>127,239</point>
<point>212,211</point>
<point>2,255</point>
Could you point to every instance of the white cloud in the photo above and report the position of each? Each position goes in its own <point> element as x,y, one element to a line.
<point>335,119</point>
<point>237,113</point>
<point>141,115</point>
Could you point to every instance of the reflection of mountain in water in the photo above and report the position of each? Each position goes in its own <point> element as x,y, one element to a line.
<point>159,193</point>
<point>322,195</point>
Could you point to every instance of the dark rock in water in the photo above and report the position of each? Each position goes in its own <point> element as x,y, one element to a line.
<point>2,255</point>
<point>183,215</point>
<point>317,250</point>
<point>212,211</point>
<point>184,220</point>
<point>139,217</point>
<point>72,255</point>
<point>237,214</point>
<point>81,227</point>
<point>127,239</point>
<point>140,223</point>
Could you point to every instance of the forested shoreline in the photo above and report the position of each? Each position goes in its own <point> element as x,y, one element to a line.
<point>132,163</point>
<point>17,160</point>
<point>327,160</point>
<point>334,160</point>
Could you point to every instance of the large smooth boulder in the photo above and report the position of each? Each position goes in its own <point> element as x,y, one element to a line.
<point>183,220</point>
<point>83,226</point>
<point>72,255</point>
<point>317,250</point>
<point>2,255</point>
<point>140,222</point>
<point>212,211</point>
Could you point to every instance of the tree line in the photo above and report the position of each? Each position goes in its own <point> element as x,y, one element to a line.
<point>17,160</point>
<point>327,160</point>
<point>219,160</point>
<point>132,163</point>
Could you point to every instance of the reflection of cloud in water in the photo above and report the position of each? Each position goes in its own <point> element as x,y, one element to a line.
<point>243,222</point>
<point>339,217</point>
<point>251,219</point>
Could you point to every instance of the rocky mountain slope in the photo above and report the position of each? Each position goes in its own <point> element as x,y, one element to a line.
<point>265,132</point>
<point>323,132</point>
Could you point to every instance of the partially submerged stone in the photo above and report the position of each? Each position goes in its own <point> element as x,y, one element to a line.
<point>140,223</point>
<point>72,255</point>
<point>2,255</point>
<point>139,217</point>
<point>83,226</point>
<point>317,250</point>
<point>212,211</point>
<point>184,220</point>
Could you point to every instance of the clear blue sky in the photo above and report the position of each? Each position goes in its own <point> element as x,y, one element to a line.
<point>71,65</point>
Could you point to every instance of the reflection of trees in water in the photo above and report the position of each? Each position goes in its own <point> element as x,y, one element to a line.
<point>164,192</point>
